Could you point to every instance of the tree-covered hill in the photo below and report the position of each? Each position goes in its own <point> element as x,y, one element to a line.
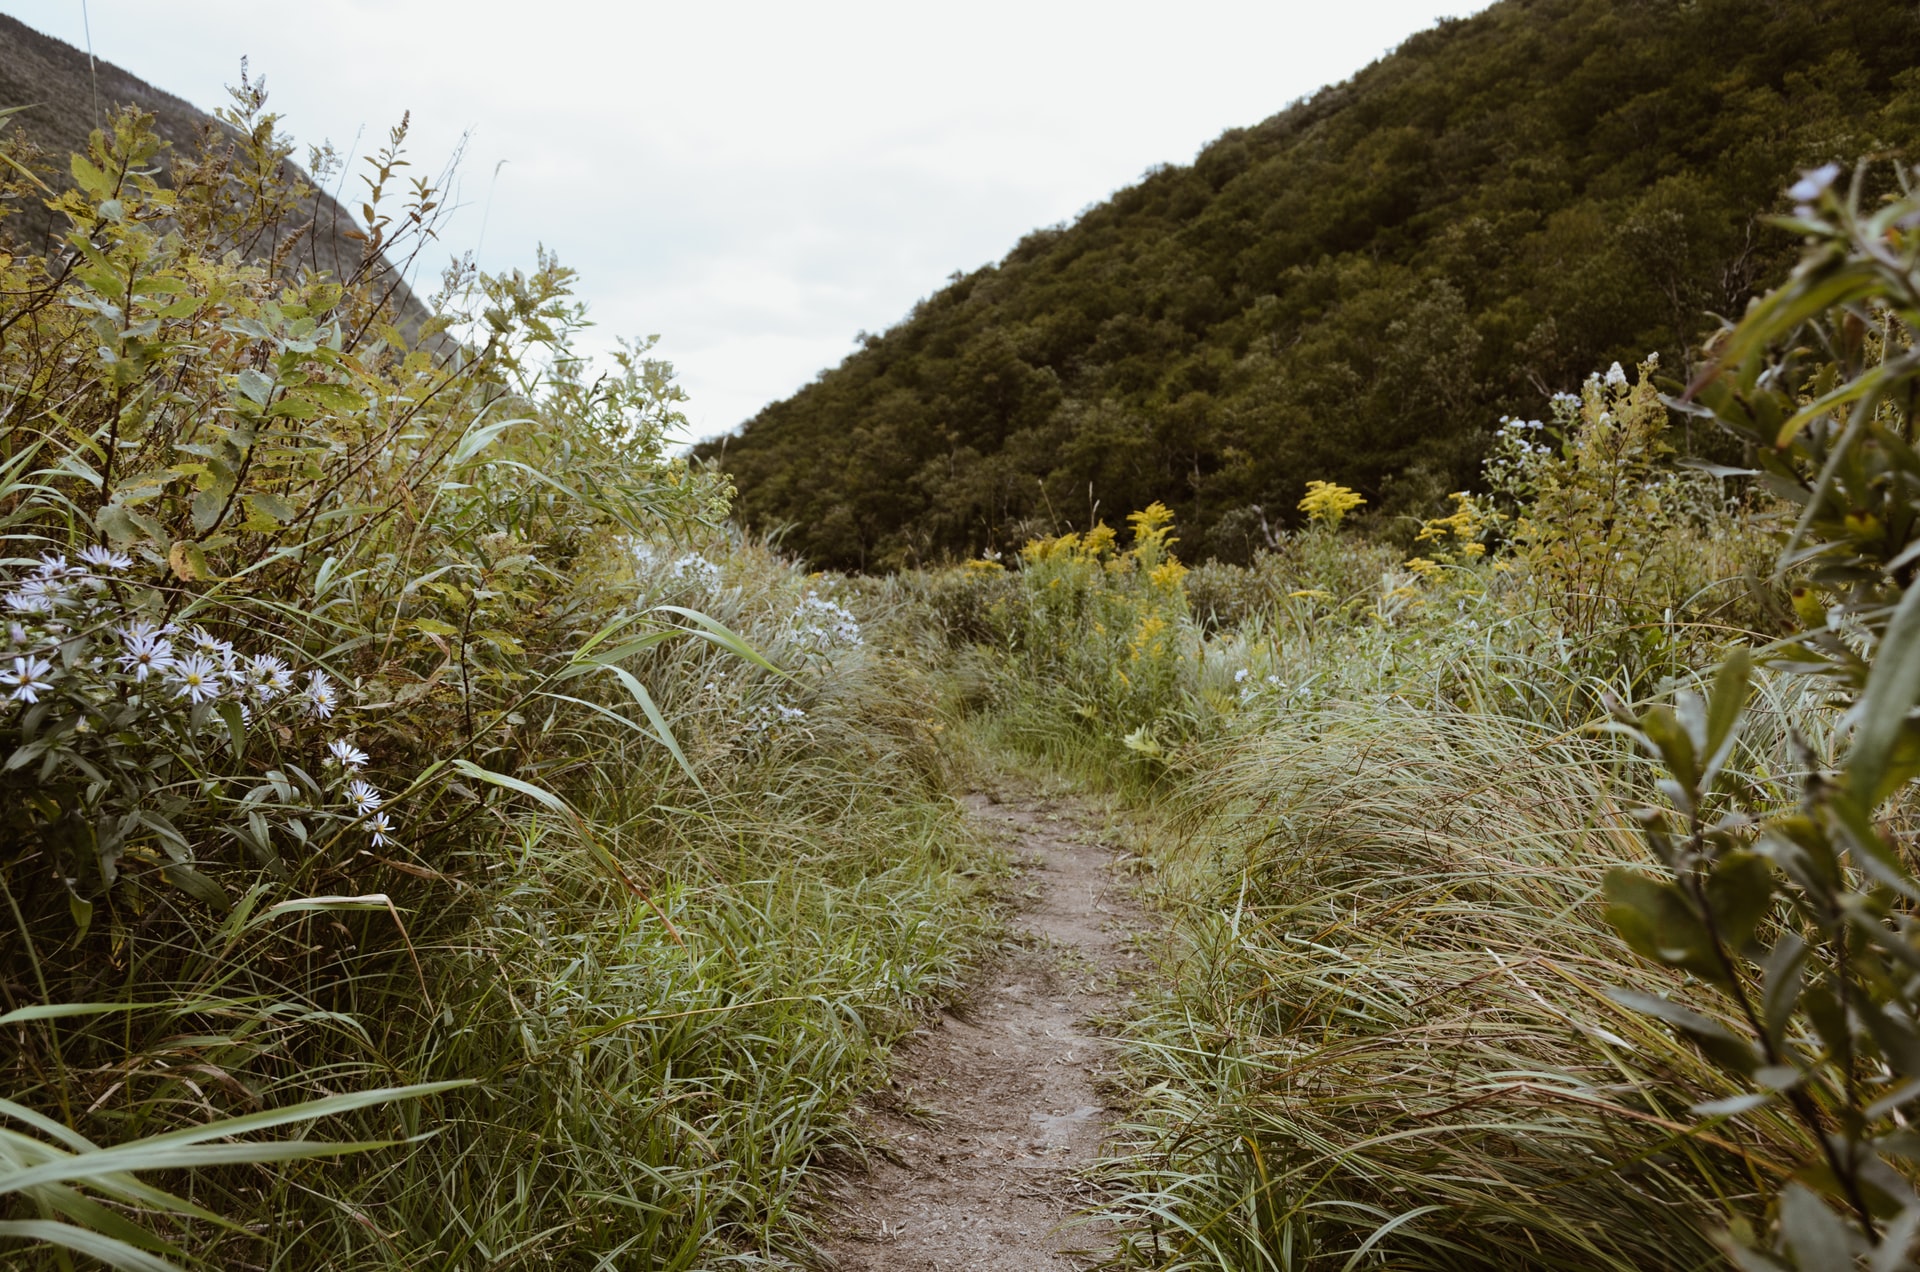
<point>1356,289</point>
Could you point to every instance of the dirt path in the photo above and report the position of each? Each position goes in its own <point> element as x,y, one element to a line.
<point>998,1105</point>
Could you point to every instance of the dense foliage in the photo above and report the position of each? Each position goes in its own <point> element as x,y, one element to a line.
<point>393,738</point>
<point>1353,290</point>
<point>1475,963</point>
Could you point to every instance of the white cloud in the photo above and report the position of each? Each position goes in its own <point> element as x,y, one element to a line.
<point>758,181</point>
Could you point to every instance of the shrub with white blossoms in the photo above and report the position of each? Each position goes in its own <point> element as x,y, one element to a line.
<point>679,571</point>
<point>130,735</point>
<point>695,571</point>
<point>819,625</point>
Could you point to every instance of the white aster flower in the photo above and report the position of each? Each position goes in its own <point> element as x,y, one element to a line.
<point>269,675</point>
<point>210,645</point>
<point>346,754</point>
<point>321,697</point>
<point>144,650</point>
<point>103,558</point>
<point>27,680</point>
<point>196,678</point>
<point>54,566</point>
<point>364,798</point>
<point>1240,676</point>
<point>382,829</point>
<point>34,596</point>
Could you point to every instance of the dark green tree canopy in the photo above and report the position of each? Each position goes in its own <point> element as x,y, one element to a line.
<point>1355,290</point>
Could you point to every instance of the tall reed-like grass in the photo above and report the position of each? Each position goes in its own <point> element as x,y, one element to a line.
<point>1390,1040</point>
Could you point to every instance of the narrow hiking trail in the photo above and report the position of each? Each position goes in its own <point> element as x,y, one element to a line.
<point>999,1104</point>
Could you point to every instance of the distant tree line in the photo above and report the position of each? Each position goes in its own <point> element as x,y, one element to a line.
<point>1355,290</point>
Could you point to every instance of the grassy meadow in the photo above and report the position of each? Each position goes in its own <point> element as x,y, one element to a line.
<point>434,837</point>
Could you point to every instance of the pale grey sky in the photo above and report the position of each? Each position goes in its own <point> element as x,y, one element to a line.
<point>757,181</point>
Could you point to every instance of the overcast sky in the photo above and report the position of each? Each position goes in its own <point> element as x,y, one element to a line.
<point>757,182</point>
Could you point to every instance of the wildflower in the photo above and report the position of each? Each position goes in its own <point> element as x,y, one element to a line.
<point>1326,503</point>
<point>34,596</point>
<point>697,570</point>
<point>774,717</point>
<point>364,798</point>
<point>102,558</point>
<point>823,624</point>
<point>1240,676</point>
<point>196,678</point>
<point>1616,378</point>
<point>210,645</point>
<point>54,566</point>
<point>346,754</point>
<point>382,828</point>
<point>1167,574</point>
<point>1813,183</point>
<point>270,676</point>
<point>145,650</point>
<point>27,680</point>
<point>320,697</point>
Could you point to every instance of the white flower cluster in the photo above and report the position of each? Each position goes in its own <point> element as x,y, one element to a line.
<point>821,624</point>
<point>1514,433</point>
<point>82,659</point>
<point>1251,688</point>
<point>775,717</point>
<point>697,571</point>
<point>686,569</point>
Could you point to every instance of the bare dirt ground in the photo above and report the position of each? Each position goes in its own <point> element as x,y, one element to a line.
<point>998,1105</point>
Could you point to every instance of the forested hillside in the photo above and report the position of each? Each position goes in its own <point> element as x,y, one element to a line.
<point>1356,289</point>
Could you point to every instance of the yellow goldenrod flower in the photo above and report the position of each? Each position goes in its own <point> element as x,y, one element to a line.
<point>1326,503</point>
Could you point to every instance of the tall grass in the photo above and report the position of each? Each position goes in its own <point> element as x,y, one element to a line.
<point>1390,1039</point>
<point>1379,817</point>
<point>574,887</point>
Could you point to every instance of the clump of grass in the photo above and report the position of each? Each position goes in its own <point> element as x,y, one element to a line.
<point>1389,1038</point>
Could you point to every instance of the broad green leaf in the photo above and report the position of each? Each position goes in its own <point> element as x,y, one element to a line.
<point>1663,728</point>
<point>1731,686</point>
<point>536,793</point>
<point>1654,918</point>
<point>1893,687</point>
<point>725,637</point>
<point>195,884</point>
<point>1817,1236</point>
<point>640,695</point>
<point>1713,1038</point>
<point>113,1253</point>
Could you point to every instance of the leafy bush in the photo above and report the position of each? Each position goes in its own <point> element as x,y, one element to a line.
<point>1799,914</point>
<point>384,706</point>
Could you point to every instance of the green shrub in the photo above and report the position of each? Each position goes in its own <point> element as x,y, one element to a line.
<point>387,707</point>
